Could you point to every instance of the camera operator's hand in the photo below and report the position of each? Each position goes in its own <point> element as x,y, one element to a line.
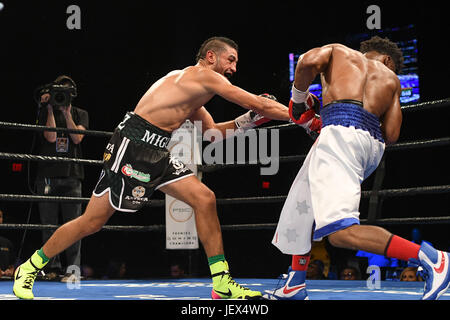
<point>45,97</point>
<point>66,110</point>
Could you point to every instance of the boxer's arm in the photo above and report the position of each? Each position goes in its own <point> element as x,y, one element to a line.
<point>268,108</point>
<point>310,64</point>
<point>392,119</point>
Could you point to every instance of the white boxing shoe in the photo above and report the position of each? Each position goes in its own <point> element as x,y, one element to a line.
<point>294,288</point>
<point>436,271</point>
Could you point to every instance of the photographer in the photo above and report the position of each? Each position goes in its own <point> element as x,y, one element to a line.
<point>59,178</point>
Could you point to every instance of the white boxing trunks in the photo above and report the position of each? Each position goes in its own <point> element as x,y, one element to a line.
<point>326,192</point>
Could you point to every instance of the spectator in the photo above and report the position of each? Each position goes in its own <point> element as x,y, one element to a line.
<point>319,252</point>
<point>410,274</point>
<point>315,270</point>
<point>350,273</point>
<point>60,178</point>
<point>116,270</point>
<point>87,272</point>
<point>176,271</point>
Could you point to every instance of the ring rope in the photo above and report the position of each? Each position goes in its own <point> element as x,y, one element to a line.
<point>271,199</point>
<point>35,198</point>
<point>29,127</point>
<point>32,157</point>
<point>230,227</point>
<point>213,167</point>
<point>224,201</point>
<point>105,227</point>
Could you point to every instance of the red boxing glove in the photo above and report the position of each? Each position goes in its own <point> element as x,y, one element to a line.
<point>297,109</point>
<point>311,123</point>
<point>304,114</point>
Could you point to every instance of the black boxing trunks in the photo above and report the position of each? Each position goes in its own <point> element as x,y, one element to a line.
<point>136,162</point>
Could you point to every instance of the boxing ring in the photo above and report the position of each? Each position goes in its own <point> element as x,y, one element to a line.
<point>199,288</point>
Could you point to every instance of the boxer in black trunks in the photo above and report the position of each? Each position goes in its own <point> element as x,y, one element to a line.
<point>142,164</point>
<point>137,162</point>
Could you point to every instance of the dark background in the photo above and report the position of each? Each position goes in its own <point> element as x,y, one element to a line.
<point>123,47</point>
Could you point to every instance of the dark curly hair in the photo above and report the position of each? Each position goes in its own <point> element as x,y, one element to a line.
<point>384,46</point>
<point>215,44</point>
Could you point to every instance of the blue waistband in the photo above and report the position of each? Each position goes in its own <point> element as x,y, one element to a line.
<point>349,114</point>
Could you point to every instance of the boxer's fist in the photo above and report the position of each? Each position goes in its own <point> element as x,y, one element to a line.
<point>252,119</point>
<point>311,122</point>
<point>297,109</point>
<point>304,112</point>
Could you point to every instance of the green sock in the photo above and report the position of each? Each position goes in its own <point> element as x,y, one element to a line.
<point>39,259</point>
<point>43,256</point>
<point>212,260</point>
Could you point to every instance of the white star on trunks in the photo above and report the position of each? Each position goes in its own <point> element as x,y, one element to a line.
<point>291,235</point>
<point>302,207</point>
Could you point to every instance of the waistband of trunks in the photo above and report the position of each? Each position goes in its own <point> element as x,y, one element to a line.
<point>350,113</point>
<point>139,130</point>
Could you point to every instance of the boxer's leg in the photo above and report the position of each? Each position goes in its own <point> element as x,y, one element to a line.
<point>97,213</point>
<point>203,201</point>
<point>294,236</point>
<point>191,191</point>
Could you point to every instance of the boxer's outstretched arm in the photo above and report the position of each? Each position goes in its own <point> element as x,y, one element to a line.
<point>268,108</point>
<point>310,64</point>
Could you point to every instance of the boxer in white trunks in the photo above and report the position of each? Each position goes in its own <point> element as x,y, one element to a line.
<point>361,114</point>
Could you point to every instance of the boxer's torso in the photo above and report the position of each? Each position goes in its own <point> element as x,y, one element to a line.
<point>174,98</point>
<point>350,75</point>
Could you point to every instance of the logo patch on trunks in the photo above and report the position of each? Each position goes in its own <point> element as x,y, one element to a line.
<point>128,171</point>
<point>137,196</point>
<point>138,192</point>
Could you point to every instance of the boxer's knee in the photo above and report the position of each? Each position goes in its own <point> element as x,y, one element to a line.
<point>90,224</point>
<point>94,227</point>
<point>204,198</point>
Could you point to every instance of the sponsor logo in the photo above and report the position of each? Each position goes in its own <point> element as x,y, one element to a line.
<point>288,290</point>
<point>227,294</point>
<point>138,192</point>
<point>18,276</point>
<point>179,211</point>
<point>177,165</point>
<point>441,267</point>
<point>106,156</point>
<point>137,195</point>
<point>128,171</point>
<point>110,147</point>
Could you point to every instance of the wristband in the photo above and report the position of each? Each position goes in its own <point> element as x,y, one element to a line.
<point>299,96</point>
<point>244,121</point>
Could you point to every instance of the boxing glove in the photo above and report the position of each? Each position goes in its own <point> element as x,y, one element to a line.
<point>252,119</point>
<point>303,110</point>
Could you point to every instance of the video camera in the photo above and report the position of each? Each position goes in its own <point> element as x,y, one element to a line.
<point>60,95</point>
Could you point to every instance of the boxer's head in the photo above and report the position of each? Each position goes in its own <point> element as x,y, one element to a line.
<point>385,51</point>
<point>221,54</point>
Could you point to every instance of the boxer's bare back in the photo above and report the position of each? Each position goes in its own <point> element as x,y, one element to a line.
<point>350,74</point>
